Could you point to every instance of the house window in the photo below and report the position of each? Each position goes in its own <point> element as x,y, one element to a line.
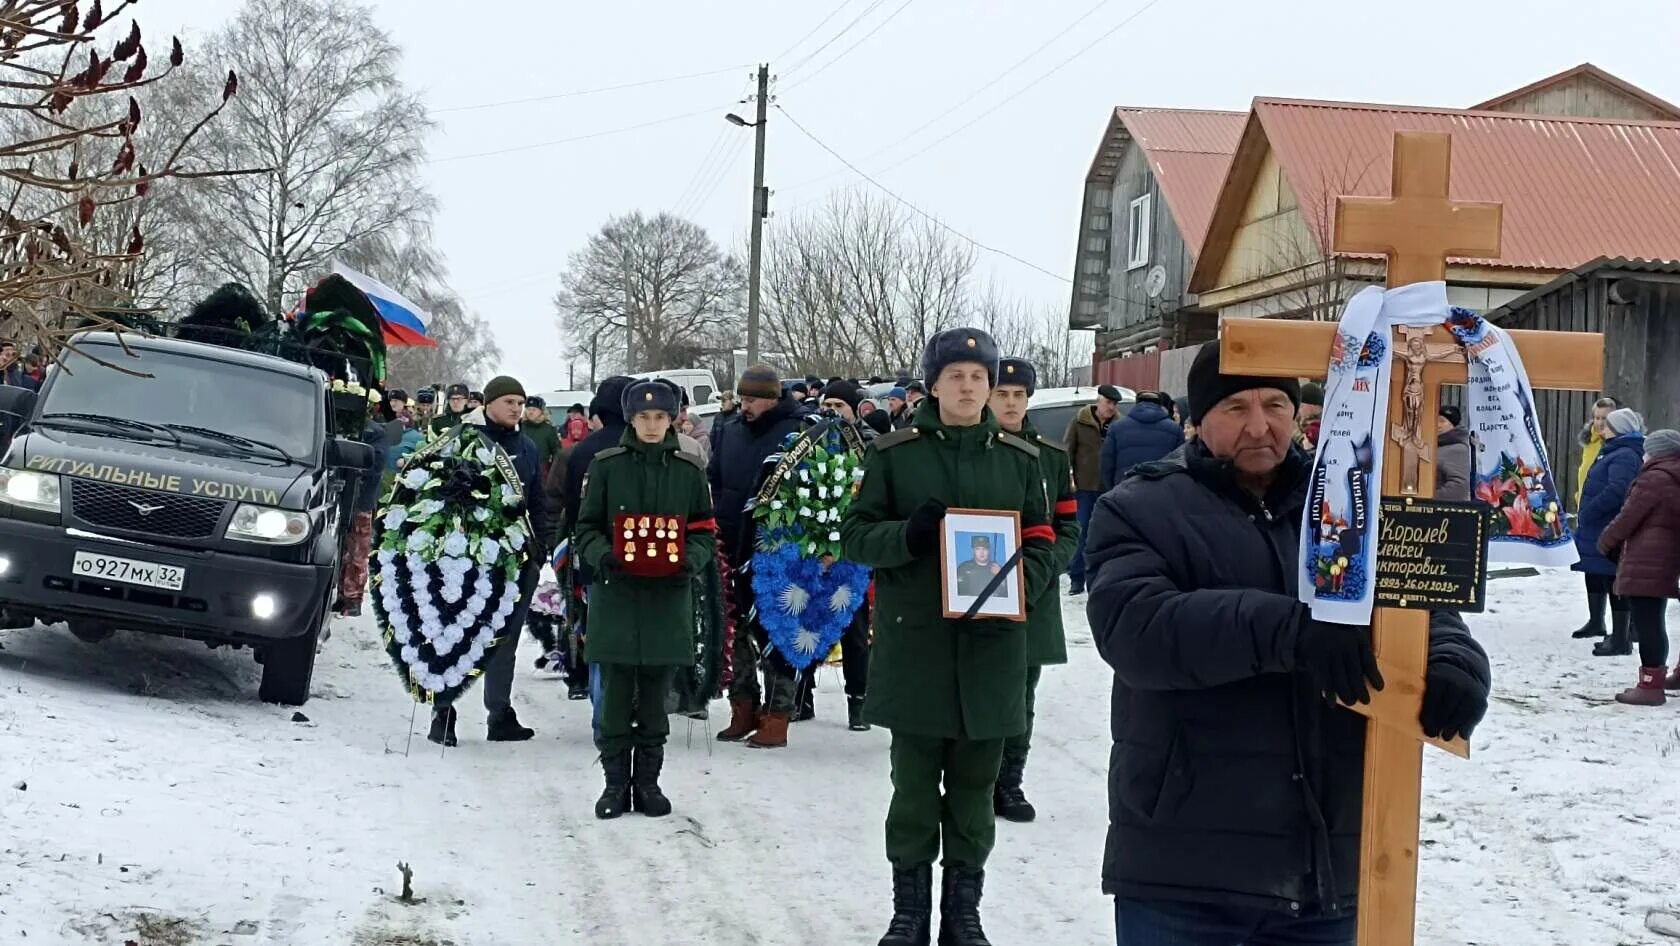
<point>1137,253</point>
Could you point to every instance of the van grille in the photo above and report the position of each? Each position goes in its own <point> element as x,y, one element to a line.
<point>144,510</point>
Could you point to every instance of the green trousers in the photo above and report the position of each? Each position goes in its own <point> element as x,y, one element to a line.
<point>1018,745</point>
<point>920,815</point>
<point>633,706</point>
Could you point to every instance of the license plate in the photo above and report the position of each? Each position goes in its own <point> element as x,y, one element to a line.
<point>128,571</point>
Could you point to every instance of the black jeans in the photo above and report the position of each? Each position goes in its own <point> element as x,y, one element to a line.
<point>1649,616</point>
<point>1172,923</point>
<point>854,654</point>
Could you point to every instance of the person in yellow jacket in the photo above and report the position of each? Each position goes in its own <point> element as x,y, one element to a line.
<point>1592,440</point>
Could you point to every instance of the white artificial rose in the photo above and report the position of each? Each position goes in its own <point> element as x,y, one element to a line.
<point>395,517</point>
<point>454,544</point>
<point>509,495</point>
<point>834,537</point>
<point>419,540</point>
<point>489,550</point>
<point>482,513</point>
<point>414,479</point>
<point>776,504</point>
<point>484,455</point>
<point>802,493</point>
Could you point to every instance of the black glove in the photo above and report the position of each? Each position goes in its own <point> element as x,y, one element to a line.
<point>921,530</point>
<point>1339,659</point>
<point>1453,701</point>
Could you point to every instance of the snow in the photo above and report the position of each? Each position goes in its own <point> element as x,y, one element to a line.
<point>165,805</point>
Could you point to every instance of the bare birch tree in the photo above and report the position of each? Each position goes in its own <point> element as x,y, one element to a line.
<point>325,111</point>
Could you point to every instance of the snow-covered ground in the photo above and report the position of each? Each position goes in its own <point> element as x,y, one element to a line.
<point>164,805</point>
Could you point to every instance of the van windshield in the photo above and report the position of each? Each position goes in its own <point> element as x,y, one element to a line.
<point>265,406</point>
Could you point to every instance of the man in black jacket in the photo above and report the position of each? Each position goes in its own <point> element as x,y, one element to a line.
<point>741,446</point>
<point>1235,780</point>
<point>498,419</point>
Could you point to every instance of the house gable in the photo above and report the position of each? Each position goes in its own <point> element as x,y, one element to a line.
<point>1585,91</point>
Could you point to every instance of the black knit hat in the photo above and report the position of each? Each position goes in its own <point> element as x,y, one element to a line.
<point>844,391</point>
<point>759,381</point>
<point>649,396</point>
<point>499,387</point>
<point>609,398</point>
<point>1018,371</point>
<point>955,345</point>
<point>1209,386</point>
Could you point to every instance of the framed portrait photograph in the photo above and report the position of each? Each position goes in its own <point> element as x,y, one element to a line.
<point>980,572</point>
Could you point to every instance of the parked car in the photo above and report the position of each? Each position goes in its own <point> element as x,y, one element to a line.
<point>1052,409</point>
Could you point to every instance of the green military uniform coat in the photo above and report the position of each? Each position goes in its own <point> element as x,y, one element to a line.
<point>929,675</point>
<point>633,620</point>
<point>1046,642</point>
<point>546,438</point>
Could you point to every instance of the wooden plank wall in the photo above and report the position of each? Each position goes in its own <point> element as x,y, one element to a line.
<point>1641,360</point>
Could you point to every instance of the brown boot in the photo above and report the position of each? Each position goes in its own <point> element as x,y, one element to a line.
<point>743,719</point>
<point>772,732</point>
<point>1649,691</point>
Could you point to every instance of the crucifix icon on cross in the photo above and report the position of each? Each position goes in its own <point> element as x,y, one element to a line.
<point>1417,449</point>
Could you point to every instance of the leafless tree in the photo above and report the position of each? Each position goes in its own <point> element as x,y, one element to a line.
<point>80,157</point>
<point>325,111</point>
<point>858,285</point>
<point>652,291</point>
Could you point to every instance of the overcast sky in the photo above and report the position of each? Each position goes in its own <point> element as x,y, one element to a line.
<point>1012,179</point>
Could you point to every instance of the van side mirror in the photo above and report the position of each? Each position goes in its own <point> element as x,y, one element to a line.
<point>349,455</point>
<point>17,403</point>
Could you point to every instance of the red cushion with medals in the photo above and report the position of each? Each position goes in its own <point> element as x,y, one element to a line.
<point>649,546</point>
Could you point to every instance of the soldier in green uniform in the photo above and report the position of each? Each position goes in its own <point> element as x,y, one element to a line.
<point>1017,379</point>
<point>951,691</point>
<point>449,418</point>
<point>641,627</point>
<point>974,574</point>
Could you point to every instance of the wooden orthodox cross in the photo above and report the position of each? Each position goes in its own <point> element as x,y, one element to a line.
<point>1417,229</point>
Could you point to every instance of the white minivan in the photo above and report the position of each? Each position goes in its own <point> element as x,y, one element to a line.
<point>701,386</point>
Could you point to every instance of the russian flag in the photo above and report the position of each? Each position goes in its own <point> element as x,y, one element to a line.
<point>405,322</point>
<point>562,555</point>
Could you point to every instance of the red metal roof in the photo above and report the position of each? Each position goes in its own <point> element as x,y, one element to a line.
<point>1573,189</point>
<point>1189,152</point>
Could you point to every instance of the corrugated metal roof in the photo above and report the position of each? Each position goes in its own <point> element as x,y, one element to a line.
<point>1189,152</point>
<point>1573,189</point>
<point>1604,264</point>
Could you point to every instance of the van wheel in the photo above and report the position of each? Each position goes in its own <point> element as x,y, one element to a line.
<point>89,633</point>
<point>289,665</point>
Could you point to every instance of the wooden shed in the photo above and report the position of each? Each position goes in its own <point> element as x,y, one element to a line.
<point>1636,305</point>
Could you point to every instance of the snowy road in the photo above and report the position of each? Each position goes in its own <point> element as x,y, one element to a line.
<point>165,806</point>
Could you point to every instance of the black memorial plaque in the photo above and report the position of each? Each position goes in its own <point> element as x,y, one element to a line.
<point>1432,554</point>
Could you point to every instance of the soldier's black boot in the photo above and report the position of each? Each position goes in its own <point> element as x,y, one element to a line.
<point>645,793</point>
<point>959,908</point>
<point>615,798</point>
<point>1009,800</point>
<point>854,714</point>
<point>912,918</point>
<point>443,726</point>
<point>505,727</point>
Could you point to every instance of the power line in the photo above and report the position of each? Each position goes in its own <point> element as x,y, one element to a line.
<point>582,92</point>
<point>709,110</point>
<point>843,31</point>
<point>721,175</point>
<point>820,69</point>
<point>935,220</point>
<point>700,170</point>
<point>824,22</point>
<point>1023,89</point>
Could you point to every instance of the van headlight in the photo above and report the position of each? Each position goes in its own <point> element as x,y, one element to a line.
<point>268,525</point>
<point>30,489</point>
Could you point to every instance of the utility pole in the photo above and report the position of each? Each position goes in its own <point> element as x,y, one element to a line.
<point>760,210</point>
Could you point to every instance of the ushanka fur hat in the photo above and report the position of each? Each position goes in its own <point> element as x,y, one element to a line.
<point>955,345</point>
<point>1018,371</point>
<point>649,396</point>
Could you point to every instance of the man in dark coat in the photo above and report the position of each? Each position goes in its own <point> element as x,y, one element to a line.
<point>12,373</point>
<point>951,690</point>
<point>453,411</point>
<point>542,433</point>
<point>1147,432</point>
<point>1083,441</point>
<point>1452,456</point>
<point>1046,644</point>
<point>1235,785</point>
<point>736,469</point>
<point>498,420</point>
